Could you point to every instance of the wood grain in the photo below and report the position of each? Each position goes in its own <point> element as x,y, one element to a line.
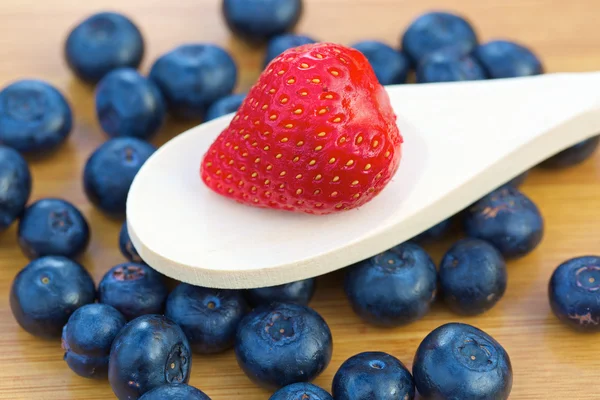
<point>549,360</point>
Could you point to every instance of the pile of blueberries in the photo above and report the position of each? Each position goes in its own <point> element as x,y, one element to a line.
<point>131,330</point>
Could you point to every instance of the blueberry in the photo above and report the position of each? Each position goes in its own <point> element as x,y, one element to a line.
<point>299,292</point>
<point>272,338</point>
<point>223,106</point>
<point>87,339</point>
<point>434,31</point>
<point>301,391</point>
<point>459,361</point>
<point>129,104</point>
<point>504,59</point>
<point>434,233</point>
<point>260,20</point>
<point>47,291</point>
<point>507,219</point>
<point>35,118</point>
<point>393,288</point>
<point>102,43</point>
<point>449,66</point>
<point>472,277</point>
<point>573,155</point>
<point>53,227</point>
<point>373,375</point>
<point>126,247</point>
<point>110,170</point>
<point>281,43</point>
<point>179,391</point>
<point>149,352</point>
<point>574,293</point>
<point>390,66</point>
<point>209,317</point>
<point>133,289</point>
<point>15,188</point>
<point>193,76</point>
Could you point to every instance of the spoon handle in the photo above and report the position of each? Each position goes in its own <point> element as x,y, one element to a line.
<point>475,136</point>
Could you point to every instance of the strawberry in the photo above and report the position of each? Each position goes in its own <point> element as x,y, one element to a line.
<point>315,134</point>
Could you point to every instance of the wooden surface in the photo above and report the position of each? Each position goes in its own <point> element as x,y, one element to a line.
<point>549,360</point>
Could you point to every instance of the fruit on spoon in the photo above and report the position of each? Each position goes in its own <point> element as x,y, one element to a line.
<point>316,134</point>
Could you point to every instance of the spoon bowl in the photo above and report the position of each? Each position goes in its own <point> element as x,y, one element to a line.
<point>461,140</point>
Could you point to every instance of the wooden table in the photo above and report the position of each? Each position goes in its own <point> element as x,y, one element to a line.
<point>549,361</point>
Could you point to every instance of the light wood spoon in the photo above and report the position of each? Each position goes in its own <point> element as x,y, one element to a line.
<point>462,140</point>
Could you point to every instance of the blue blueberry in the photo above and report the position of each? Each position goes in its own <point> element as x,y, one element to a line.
<point>47,291</point>
<point>149,352</point>
<point>179,391</point>
<point>281,43</point>
<point>53,227</point>
<point>272,338</point>
<point>35,118</point>
<point>434,31</point>
<point>193,76</point>
<point>504,59</point>
<point>110,170</point>
<point>223,106</point>
<point>574,293</point>
<point>133,289</point>
<point>126,247</point>
<point>459,361</point>
<point>393,288</point>
<point>15,188</point>
<point>87,338</point>
<point>390,65</point>
<point>129,104</point>
<point>472,277</point>
<point>101,43</point>
<point>301,391</point>
<point>434,233</point>
<point>260,20</point>
<point>373,375</point>
<point>299,292</point>
<point>209,317</point>
<point>449,66</point>
<point>507,219</point>
<point>573,155</point>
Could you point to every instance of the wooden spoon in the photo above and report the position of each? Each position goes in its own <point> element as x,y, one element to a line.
<point>462,140</point>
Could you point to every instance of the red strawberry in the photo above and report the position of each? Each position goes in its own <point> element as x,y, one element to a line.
<point>316,134</point>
